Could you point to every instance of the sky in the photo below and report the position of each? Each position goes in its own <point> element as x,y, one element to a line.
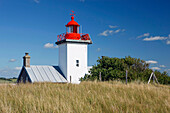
<point>118,28</point>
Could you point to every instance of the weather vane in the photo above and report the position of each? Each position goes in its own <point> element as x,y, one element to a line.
<point>72,14</point>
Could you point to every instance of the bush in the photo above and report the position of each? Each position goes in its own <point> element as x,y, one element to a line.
<point>115,69</point>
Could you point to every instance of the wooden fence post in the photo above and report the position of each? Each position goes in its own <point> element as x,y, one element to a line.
<point>100,76</point>
<point>70,79</point>
<point>126,76</point>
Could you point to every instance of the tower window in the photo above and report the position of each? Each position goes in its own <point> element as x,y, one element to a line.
<point>77,63</point>
<point>71,29</point>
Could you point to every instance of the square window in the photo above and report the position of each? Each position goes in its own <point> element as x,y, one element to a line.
<point>77,61</point>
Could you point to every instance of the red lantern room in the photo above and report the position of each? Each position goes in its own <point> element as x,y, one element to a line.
<point>73,26</point>
<point>72,30</point>
<point>73,33</point>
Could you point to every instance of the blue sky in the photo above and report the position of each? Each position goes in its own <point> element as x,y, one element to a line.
<point>118,28</point>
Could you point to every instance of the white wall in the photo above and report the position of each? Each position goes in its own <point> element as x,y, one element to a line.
<point>68,54</point>
<point>76,51</point>
<point>63,58</point>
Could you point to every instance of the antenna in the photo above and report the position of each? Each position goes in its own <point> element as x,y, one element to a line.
<point>72,14</point>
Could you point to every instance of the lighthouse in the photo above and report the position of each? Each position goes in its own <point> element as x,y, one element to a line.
<point>72,59</point>
<point>73,51</point>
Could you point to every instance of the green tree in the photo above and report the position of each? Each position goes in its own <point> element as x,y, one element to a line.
<point>115,69</point>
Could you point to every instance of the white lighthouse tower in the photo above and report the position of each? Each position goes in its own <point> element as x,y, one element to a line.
<point>73,52</point>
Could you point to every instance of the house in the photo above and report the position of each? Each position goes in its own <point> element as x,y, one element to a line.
<point>73,49</point>
<point>40,73</point>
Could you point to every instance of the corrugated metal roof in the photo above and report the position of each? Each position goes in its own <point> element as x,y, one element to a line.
<point>45,74</point>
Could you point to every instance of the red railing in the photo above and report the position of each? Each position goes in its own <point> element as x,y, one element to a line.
<point>83,36</point>
<point>61,37</point>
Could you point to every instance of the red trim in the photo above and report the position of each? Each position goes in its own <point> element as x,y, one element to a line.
<point>73,36</point>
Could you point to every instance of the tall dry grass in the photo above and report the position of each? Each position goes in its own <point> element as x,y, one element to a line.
<point>87,97</point>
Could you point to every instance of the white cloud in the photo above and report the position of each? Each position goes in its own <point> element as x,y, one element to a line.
<point>110,26</point>
<point>106,33</point>
<point>37,1</point>
<point>117,31</point>
<point>144,35</point>
<point>110,32</point>
<point>168,42</point>
<point>50,45</point>
<point>151,62</point>
<point>155,38</point>
<point>155,68</point>
<point>17,68</point>
<point>162,66</point>
<point>12,60</point>
<point>98,49</point>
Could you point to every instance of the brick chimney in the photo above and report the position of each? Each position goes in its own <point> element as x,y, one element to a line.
<point>26,60</point>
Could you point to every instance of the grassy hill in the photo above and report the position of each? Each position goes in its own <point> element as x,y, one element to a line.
<point>88,97</point>
<point>6,80</point>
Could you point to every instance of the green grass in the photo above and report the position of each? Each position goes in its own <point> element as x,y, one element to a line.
<point>87,97</point>
<point>4,80</point>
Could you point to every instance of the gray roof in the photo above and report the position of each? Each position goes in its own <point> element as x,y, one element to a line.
<point>45,74</point>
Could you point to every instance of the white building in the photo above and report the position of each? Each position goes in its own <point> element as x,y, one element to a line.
<point>73,50</point>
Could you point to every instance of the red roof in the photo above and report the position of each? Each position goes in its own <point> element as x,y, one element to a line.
<point>72,22</point>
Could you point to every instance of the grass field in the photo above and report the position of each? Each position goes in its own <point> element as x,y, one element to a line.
<point>88,97</point>
<point>4,80</point>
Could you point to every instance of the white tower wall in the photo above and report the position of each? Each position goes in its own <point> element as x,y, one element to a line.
<point>73,60</point>
<point>63,58</point>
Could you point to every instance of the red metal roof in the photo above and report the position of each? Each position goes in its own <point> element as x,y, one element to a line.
<point>72,22</point>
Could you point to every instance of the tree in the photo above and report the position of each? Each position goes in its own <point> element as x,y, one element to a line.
<point>115,69</point>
